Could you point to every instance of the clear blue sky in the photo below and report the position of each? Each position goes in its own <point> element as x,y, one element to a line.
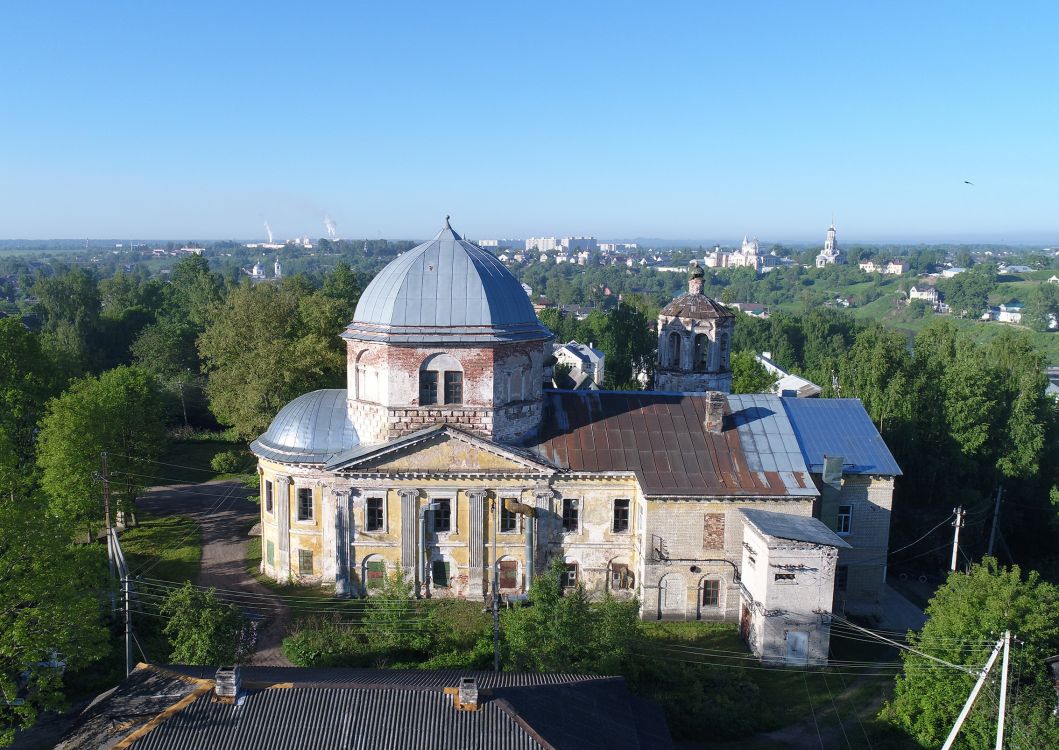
<point>703,120</point>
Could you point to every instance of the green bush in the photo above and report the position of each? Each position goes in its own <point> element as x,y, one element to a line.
<point>327,643</point>
<point>229,462</point>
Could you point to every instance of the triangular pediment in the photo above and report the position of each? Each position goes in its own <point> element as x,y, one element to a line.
<point>439,450</point>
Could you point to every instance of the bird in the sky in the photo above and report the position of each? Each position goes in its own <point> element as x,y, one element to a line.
<point>968,182</point>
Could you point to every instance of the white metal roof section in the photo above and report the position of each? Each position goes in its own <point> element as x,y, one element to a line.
<point>768,439</point>
<point>445,290</point>
<point>309,429</point>
<point>794,528</point>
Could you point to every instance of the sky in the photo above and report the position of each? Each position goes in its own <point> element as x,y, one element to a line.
<point>700,120</point>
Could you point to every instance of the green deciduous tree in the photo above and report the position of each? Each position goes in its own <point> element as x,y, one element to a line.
<point>118,412</point>
<point>26,381</point>
<point>47,610</point>
<point>965,615</point>
<point>563,632</point>
<point>394,621</point>
<point>749,375</point>
<point>202,629</point>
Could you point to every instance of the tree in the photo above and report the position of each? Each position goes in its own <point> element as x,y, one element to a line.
<point>166,349</point>
<point>26,380</point>
<point>563,632</point>
<point>749,375</point>
<point>259,352</point>
<point>69,305</point>
<point>193,291</point>
<point>394,622</point>
<point>118,412</point>
<point>966,615</point>
<point>47,610</point>
<point>201,629</point>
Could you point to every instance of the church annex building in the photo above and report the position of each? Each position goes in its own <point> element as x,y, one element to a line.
<point>446,457</point>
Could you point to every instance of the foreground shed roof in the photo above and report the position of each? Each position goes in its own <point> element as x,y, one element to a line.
<point>366,708</point>
<point>794,528</point>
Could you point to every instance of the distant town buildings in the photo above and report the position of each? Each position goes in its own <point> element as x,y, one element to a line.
<point>753,309</point>
<point>787,384</point>
<point>894,267</point>
<point>831,254</point>
<point>926,292</point>
<point>586,363</point>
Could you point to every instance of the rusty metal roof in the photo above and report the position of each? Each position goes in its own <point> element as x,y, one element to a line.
<point>698,306</point>
<point>662,439</point>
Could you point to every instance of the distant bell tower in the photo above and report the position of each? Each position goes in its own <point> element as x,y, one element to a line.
<point>694,341</point>
<point>278,269</point>
<point>830,254</point>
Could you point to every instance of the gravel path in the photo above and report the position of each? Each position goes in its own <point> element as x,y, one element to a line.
<point>225,516</point>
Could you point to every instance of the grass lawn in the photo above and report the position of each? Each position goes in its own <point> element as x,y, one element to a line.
<point>189,460</point>
<point>166,547</point>
<point>843,700</point>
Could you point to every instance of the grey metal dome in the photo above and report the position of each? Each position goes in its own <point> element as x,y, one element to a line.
<point>309,429</point>
<point>445,290</point>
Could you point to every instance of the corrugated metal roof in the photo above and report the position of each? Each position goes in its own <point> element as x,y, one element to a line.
<point>446,289</point>
<point>839,427</point>
<point>409,678</point>
<point>796,528</point>
<point>661,437</point>
<point>309,429</point>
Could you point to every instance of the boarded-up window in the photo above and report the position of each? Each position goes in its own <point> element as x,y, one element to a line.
<point>270,553</point>
<point>305,562</point>
<point>508,574</point>
<point>268,496</point>
<point>376,572</point>
<point>440,573</point>
<point>713,531</point>
<point>569,577</point>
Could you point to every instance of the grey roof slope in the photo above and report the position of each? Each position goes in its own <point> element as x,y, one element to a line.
<point>795,528</point>
<point>767,437</point>
<point>309,429</point>
<point>839,427</point>
<point>365,708</point>
<point>699,306</point>
<point>446,289</point>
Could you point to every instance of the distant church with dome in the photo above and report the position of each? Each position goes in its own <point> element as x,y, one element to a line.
<point>448,457</point>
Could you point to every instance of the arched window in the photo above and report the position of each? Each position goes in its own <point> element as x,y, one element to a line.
<point>702,350</point>
<point>674,349</point>
<point>360,376</point>
<point>440,380</point>
<point>722,345</point>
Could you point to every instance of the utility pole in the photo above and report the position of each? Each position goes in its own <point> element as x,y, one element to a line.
<point>958,523</point>
<point>1002,712</point>
<point>996,519</point>
<point>973,696</point>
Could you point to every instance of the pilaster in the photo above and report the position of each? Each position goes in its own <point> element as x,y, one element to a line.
<point>343,538</point>
<point>476,500</point>
<point>409,529</point>
<point>282,506</point>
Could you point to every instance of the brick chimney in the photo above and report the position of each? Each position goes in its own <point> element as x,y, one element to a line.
<point>696,278</point>
<point>228,683</point>
<point>715,401</point>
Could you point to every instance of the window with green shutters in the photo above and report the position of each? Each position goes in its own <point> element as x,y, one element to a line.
<point>376,573</point>
<point>305,562</point>
<point>270,553</point>
<point>440,573</point>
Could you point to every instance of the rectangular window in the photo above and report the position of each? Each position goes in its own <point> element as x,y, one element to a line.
<point>571,506</point>
<point>439,573</point>
<point>621,516</point>
<point>845,519</point>
<point>376,573</point>
<point>569,579</point>
<point>711,593</point>
<point>305,562</point>
<point>428,388</point>
<point>268,496</point>
<point>373,514</point>
<point>784,578</point>
<point>841,578</point>
<point>270,553</point>
<point>508,574</point>
<point>443,516</point>
<point>305,504</point>
<point>453,387</point>
<point>619,577</point>
<point>508,521</point>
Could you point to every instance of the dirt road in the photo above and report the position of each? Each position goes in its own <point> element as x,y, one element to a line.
<point>226,516</point>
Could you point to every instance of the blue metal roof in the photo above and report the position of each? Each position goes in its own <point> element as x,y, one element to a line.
<point>309,429</point>
<point>839,427</point>
<point>445,289</point>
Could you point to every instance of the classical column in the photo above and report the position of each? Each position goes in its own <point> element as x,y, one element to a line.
<point>409,527</point>
<point>282,506</point>
<point>343,538</point>
<point>476,500</point>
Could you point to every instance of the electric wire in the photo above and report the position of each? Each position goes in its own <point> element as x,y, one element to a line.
<point>838,716</point>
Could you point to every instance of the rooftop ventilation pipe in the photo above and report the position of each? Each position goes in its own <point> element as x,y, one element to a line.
<point>424,574</point>
<point>514,506</point>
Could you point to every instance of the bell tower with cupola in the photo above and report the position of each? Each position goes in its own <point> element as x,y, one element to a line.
<point>694,341</point>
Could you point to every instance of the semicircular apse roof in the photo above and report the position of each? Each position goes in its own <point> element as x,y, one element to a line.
<point>445,290</point>
<point>309,429</point>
